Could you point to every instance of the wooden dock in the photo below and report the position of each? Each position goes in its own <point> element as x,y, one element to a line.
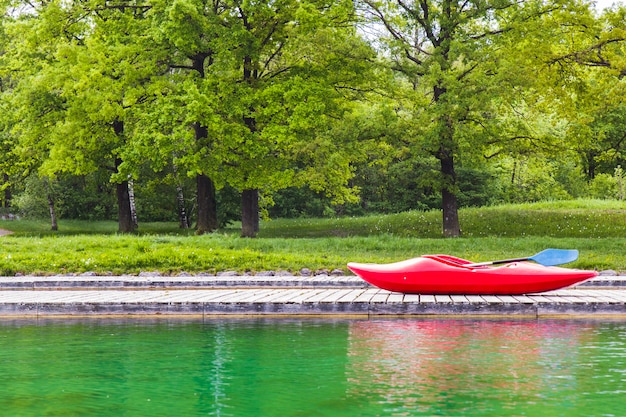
<point>285,296</point>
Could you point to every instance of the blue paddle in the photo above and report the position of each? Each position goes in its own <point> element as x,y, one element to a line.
<point>548,257</point>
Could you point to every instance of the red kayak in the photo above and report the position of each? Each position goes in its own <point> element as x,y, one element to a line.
<point>444,274</point>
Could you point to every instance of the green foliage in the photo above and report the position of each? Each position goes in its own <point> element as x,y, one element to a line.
<point>603,186</point>
<point>294,202</point>
<point>156,201</point>
<point>86,197</point>
<point>32,202</point>
<point>607,186</point>
<point>534,183</point>
<point>478,187</point>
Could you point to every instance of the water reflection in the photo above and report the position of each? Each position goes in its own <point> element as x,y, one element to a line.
<point>460,367</point>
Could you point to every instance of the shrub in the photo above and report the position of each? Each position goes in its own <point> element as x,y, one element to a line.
<point>604,186</point>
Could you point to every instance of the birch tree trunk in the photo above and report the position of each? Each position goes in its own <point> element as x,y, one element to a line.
<point>183,218</point>
<point>131,200</point>
<point>53,215</point>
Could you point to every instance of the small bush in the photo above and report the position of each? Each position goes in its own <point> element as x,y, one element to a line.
<point>604,186</point>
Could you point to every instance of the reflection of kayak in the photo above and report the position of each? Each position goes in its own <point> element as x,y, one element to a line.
<point>443,274</point>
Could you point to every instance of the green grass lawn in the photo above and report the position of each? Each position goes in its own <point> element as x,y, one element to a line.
<point>596,228</point>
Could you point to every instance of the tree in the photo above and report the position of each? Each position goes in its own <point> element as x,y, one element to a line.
<point>86,67</point>
<point>597,67</point>
<point>191,31</point>
<point>250,95</point>
<point>29,108</point>
<point>294,60</point>
<point>450,54</point>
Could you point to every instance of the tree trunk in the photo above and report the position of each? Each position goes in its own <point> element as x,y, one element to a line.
<point>53,215</point>
<point>451,225</point>
<point>249,213</point>
<point>125,217</point>
<point>124,213</point>
<point>133,207</point>
<point>207,205</point>
<point>250,197</point>
<point>207,202</point>
<point>183,219</point>
<point>619,176</point>
<point>589,159</point>
<point>445,154</point>
<point>514,172</point>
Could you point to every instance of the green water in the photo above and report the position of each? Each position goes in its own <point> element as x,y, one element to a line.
<point>312,368</point>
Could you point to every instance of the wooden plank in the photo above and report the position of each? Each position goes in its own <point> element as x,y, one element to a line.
<point>152,296</point>
<point>597,296</point>
<point>285,296</point>
<point>508,299</point>
<point>304,296</point>
<point>395,297</point>
<point>411,298</point>
<point>566,299</point>
<point>537,298</point>
<point>320,295</point>
<point>195,297</point>
<point>252,296</point>
<point>350,296</point>
<point>366,295</point>
<point>560,296</point>
<point>157,297</point>
<point>89,296</point>
<point>443,299</point>
<point>577,296</point>
<point>274,294</point>
<point>380,297</point>
<point>217,296</point>
<point>523,299</point>
<point>334,296</point>
<point>166,296</point>
<point>617,295</point>
<point>491,299</point>
<point>427,298</point>
<point>459,299</point>
<point>145,297</point>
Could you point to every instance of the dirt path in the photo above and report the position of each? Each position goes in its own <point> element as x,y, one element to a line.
<point>5,232</point>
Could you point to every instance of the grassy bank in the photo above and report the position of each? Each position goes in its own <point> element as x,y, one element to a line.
<point>596,228</point>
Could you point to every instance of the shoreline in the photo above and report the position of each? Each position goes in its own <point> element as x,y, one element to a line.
<point>328,297</point>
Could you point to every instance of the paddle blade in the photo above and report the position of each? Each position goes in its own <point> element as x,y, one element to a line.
<point>551,257</point>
